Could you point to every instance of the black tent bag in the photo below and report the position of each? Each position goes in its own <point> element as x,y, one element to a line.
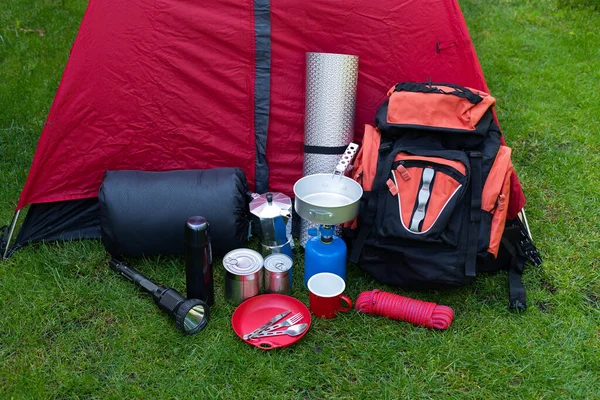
<point>143,213</point>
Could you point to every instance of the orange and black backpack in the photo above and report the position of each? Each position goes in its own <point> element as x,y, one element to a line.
<point>436,181</point>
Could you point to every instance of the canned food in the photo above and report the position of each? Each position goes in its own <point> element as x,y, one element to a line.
<point>278,274</point>
<point>244,275</point>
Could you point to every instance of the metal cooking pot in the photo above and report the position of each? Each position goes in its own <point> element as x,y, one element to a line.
<point>327,198</point>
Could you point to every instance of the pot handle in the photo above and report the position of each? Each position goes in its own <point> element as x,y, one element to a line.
<point>319,213</point>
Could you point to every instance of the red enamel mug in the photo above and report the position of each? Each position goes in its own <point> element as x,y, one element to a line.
<point>326,295</point>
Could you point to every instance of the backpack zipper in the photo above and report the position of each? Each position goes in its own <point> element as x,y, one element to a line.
<point>450,171</point>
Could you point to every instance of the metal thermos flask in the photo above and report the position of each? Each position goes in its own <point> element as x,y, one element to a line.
<point>198,260</point>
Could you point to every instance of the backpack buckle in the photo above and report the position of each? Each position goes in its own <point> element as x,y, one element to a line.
<point>527,246</point>
<point>385,147</point>
<point>474,154</point>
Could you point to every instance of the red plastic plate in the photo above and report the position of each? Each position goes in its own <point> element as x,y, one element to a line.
<point>257,310</point>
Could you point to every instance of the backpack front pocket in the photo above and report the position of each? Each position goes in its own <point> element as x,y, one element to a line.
<point>422,194</point>
<point>495,197</point>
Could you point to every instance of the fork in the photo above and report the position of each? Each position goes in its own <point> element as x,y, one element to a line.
<point>294,319</point>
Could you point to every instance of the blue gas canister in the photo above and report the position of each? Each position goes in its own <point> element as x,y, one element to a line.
<point>325,252</point>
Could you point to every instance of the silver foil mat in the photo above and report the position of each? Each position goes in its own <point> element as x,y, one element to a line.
<point>330,99</point>
<point>330,107</point>
<point>304,227</point>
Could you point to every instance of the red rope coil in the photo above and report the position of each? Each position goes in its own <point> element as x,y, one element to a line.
<point>394,306</point>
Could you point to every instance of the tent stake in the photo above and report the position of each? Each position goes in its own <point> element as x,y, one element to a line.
<point>13,224</point>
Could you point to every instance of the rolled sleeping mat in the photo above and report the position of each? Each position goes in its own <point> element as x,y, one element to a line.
<point>143,213</point>
<point>329,119</point>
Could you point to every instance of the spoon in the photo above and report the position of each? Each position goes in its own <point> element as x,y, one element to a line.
<point>293,330</point>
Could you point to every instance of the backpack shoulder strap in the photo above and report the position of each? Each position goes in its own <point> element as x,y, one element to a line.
<point>516,290</point>
<point>385,159</point>
<point>517,246</point>
<point>475,159</point>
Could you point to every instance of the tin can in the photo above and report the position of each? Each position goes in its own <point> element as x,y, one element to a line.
<point>278,274</point>
<point>244,274</point>
<point>267,250</point>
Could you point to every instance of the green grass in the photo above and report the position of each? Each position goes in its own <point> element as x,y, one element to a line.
<point>71,328</point>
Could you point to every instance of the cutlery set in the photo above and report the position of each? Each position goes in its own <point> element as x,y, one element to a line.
<point>270,328</point>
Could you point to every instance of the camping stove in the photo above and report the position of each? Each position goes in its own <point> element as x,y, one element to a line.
<point>327,200</point>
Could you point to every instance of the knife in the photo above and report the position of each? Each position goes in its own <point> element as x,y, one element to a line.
<point>265,326</point>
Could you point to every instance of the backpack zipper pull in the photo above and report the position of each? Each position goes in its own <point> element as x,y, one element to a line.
<point>392,187</point>
<point>403,172</point>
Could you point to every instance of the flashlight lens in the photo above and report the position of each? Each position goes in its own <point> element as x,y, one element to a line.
<point>194,319</point>
<point>192,316</point>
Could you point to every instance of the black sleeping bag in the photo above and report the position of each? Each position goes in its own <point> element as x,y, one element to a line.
<point>144,213</point>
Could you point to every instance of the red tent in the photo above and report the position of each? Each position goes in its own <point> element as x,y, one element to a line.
<point>181,84</point>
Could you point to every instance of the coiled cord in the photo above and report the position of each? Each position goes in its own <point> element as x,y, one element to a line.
<point>394,306</point>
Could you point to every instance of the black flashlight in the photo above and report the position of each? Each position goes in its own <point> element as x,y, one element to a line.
<point>191,315</point>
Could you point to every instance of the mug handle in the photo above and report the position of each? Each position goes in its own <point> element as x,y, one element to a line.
<point>348,302</point>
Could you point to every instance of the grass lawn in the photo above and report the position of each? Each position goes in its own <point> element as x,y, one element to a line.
<point>71,328</point>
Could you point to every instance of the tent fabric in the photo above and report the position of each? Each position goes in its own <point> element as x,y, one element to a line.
<point>62,220</point>
<point>181,84</point>
<point>262,91</point>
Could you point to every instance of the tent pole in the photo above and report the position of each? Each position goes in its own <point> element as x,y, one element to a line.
<point>524,220</point>
<point>13,224</point>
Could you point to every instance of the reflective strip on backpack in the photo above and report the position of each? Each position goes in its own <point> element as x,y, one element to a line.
<point>424,195</point>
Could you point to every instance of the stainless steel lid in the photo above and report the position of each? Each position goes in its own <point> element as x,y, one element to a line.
<point>278,206</point>
<point>278,263</point>
<point>243,261</point>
